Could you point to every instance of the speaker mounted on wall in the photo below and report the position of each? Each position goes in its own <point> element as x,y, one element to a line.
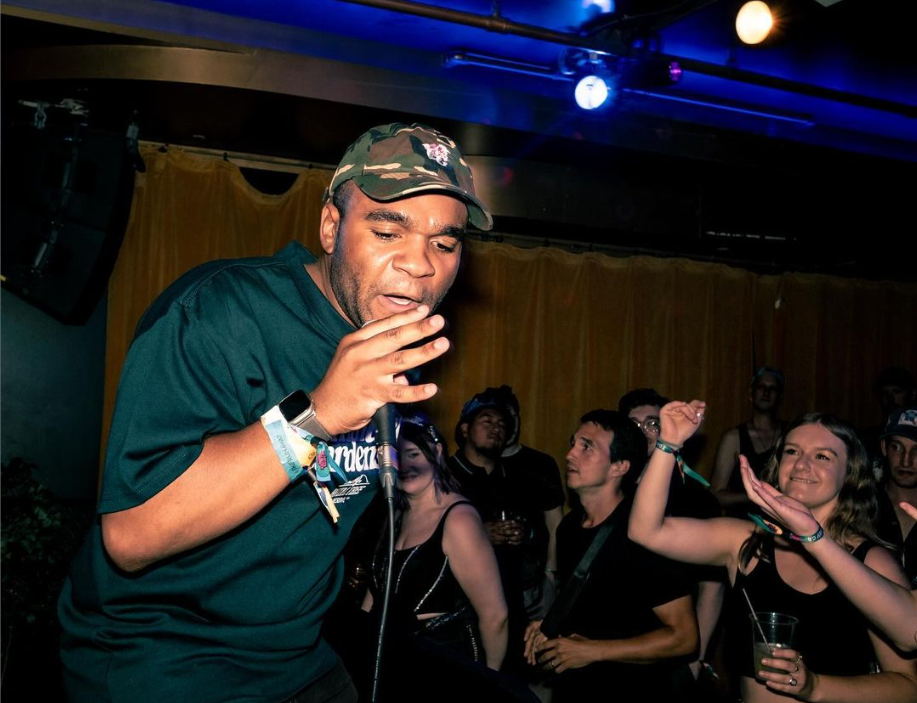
<point>67,193</point>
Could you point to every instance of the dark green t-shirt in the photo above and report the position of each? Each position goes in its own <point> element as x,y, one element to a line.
<point>236,619</point>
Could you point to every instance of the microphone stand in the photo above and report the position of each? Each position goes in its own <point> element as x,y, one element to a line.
<point>384,419</point>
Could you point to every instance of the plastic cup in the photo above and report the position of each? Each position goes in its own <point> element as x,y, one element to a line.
<point>779,632</point>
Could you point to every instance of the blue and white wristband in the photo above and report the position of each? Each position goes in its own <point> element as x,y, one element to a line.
<point>294,452</point>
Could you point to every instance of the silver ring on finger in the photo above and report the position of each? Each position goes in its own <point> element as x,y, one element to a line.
<point>793,681</point>
<point>796,669</point>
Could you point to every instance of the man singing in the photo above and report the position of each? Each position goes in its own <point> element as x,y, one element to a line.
<point>239,456</point>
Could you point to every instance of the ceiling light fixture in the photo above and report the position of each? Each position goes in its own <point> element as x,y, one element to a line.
<point>754,22</point>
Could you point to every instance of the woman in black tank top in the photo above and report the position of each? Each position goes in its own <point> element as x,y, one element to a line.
<point>820,463</point>
<point>445,580</point>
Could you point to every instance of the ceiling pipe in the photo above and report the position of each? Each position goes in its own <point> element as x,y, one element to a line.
<point>496,23</point>
<point>491,23</point>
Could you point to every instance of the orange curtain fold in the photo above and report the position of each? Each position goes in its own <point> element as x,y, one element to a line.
<point>570,332</point>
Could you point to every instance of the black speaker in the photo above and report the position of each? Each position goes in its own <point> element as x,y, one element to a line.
<point>66,199</point>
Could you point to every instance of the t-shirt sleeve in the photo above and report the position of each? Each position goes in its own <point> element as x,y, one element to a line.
<point>551,490</point>
<point>176,389</point>
<point>663,580</point>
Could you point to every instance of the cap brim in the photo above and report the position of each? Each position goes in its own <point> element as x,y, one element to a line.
<point>478,214</point>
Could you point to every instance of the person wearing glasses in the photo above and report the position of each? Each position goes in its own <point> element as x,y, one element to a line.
<point>689,496</point>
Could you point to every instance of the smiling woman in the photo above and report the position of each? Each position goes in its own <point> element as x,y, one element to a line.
<point>820,463</point>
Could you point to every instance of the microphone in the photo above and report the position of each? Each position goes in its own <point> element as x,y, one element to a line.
<point>384,419</point>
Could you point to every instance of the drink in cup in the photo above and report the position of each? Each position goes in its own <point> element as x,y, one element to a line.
<point>778,631</point>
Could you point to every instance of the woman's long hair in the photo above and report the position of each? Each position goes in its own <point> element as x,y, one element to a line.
<point>857,507</point>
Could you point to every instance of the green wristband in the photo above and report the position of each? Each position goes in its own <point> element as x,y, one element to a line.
<point>666,447</point>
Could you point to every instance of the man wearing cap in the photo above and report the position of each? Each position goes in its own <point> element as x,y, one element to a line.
<point>515,506</point>
<point>239,456</point>
<point>895,389</point>
<point>541,472</point>
<point>899,449</point>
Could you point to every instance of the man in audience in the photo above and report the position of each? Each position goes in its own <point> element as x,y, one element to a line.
<point>688,497</point>
<point>540,556</point>
<point>754,439</point>
<point>630,629</point>
<point>895,389</point>
<point>899,449</point>
<point>512,506</point>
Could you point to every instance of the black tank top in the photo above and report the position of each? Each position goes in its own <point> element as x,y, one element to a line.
<point>831,634</point>
<point>757,460</point>
<point>422,581</point>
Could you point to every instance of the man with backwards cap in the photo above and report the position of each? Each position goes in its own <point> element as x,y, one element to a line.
<point>239,456</point>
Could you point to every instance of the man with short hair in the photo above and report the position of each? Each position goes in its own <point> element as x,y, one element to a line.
<point>754,439</point>
<point>240,457</point>
<point>688,497</point>
<point>630,630</point>
<point>899,448</point>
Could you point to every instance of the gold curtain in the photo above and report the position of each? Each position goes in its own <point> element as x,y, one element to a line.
<point>569,332</point>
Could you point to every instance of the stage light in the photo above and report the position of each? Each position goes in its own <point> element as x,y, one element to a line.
<point>591,92</point>
<point>754,22</point>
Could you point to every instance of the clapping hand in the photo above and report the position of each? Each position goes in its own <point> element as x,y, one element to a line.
<point>796,516</point>
<point>680,420</point>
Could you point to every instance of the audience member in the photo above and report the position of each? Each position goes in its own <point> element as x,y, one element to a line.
<point>625,628</point>
<point>754,439</point>
<point>895,389</point>
<point>540,553</point>
<point>890,606</point>
<point>445,580</point>
<point>688,497</point>
<point>898,446</point>
<point>507,502</point>
<point>820,462</point>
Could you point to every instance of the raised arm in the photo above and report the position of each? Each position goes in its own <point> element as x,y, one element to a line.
<point>238,473</point>
<point>472,560</point>
<point>889,604</point>
<point>715,541</point>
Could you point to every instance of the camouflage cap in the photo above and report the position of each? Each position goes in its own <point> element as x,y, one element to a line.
<point>398,160</point>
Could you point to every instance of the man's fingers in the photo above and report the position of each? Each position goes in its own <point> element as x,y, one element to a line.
<point>399,393</point>
<point>389,337</point>
<point>375,327</point>
<point>406,359</point>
